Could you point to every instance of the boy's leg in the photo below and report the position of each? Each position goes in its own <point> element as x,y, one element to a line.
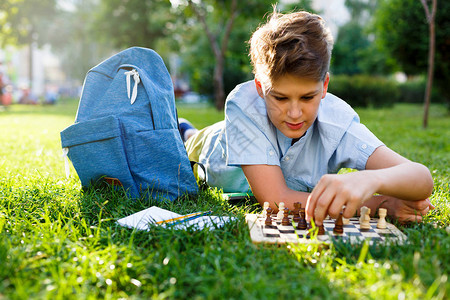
<point>186,129</point>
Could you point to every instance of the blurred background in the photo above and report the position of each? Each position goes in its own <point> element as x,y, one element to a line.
<point>381,53</point>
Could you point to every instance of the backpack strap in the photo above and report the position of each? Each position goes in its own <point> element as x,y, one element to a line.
<point>202,183</point>
<point>193,163</point>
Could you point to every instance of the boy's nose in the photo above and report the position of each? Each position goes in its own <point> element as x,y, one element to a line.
<point>294,111</point>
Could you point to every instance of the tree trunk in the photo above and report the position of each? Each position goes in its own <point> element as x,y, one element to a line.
<point>219,88</point>
<point>431,50</point>
<point>218,48</point>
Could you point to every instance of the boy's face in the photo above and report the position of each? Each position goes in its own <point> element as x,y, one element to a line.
<point>293,102</point>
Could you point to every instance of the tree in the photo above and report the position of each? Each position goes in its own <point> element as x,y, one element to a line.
<point>152,23</point>
<point>209,35</point>
<point>127,23</point>
<point>354,51</point>
<point>430,15</point>
<point>226,25</point>
<point>218,44</point>
<point>198,61</point>
<point>403,32</point>
<point>23,22</point>
<point>349,49</point>
<point>217,19</point>
<point>71,38</point>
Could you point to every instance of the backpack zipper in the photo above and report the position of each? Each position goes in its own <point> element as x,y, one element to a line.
<point>137,79</point>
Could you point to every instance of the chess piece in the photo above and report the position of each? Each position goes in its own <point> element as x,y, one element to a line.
<point>382,221</point>
<point>310,228</point>
<point>280,211</point>
<point>297,217</point>
<point>264,213</point>
<point>269,216</point>
<point>302,222</point>
<point>321,229</point>
<point>364,219</point>
<point>286,221</point>
<point>345,221</point>
<point>339,225</point>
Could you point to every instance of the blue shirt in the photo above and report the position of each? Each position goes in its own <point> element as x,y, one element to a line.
<point>247,137</point>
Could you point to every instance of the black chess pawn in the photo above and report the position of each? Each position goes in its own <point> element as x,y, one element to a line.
<point>286,221</point>
<point>339,225</point>
<point>269,217</point>
<point>297,217</point>
<point>321,230</point>
<point>302,225</point>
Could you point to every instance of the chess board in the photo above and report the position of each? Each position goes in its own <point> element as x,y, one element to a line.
<point>280,234</point>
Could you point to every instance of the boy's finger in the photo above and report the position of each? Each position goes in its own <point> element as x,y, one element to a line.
<point>350,209</point>
<point>410,218</point>
<point>322,205</point>
<point>336,206</point>
<point>308,207</point>
<point>311,202</point>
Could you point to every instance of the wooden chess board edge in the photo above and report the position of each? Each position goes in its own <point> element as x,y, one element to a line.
<point>401,237</point>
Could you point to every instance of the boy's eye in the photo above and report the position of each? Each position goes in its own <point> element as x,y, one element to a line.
<point>280,98</point>
<point>307,98</point>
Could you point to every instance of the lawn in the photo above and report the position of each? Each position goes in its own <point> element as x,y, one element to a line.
<point>59,242</point>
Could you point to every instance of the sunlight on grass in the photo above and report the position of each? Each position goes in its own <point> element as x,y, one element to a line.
<point>59,241</point>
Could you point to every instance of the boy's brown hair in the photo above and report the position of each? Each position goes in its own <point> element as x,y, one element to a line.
<point>297,43</point>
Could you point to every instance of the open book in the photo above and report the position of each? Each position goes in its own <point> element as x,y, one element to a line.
<point>156,216</point>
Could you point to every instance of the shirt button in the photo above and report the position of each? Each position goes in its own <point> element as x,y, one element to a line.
<point>287,158</point>
<point>270,152</point>
<point>364,146</point>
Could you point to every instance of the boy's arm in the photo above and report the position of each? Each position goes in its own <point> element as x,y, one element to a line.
<point>268,185</point>
<point>387,173</point>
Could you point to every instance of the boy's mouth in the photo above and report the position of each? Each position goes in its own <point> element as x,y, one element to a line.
<point>295,126</point>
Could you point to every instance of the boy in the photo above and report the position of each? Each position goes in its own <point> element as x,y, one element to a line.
<point>285,137</point>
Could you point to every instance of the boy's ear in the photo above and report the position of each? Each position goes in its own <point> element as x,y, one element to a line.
<point>259,88</point>
<point>325,85</point>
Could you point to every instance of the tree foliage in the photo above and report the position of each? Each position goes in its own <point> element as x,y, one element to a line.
<point>127,23</point>
<point>204,33</point>
<point>198,52</point>
<point>222,23</point>
<point>197,48</point>
<point>354,50</point>
<point>72,38</point>
<point>350,49</point>
<point>22,22</point>
<point>402,31</point>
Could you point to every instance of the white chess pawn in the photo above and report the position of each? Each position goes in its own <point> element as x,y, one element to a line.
<point>345,221</point>
<point>265,207</point>
<point>364,219</point>
<point>280,214</point>
<point>382,221</point>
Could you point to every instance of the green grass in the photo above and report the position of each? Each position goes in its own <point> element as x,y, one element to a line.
<point>59,242</point>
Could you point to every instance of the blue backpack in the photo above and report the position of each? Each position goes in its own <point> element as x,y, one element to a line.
<point>126,128</point>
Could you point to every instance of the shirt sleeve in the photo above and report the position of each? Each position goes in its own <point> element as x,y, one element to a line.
<point>250,138</point>
<point>354,149</point>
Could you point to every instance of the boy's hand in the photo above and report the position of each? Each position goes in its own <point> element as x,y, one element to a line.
<point>352,190</point>
<point>333,192</point>
<point>407,211</point>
